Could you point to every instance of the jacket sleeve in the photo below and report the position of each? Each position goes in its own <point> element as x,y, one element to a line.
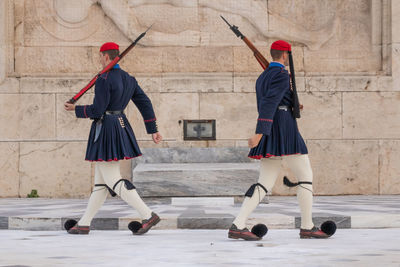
<point>100,101</point>
<point>270,101</point>
<point>145,107</point>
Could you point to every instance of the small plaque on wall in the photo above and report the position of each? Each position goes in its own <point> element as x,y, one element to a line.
<point>199,130</point>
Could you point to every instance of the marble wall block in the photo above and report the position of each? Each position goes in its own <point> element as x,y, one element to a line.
<point>321,117</point>
<point>9,175</point>
<point>149,82</point>
<point>389,168</point>
<point>9,85</point>
<point>244,60</point>
<point>197,82</point>
<point>197,59</point>
<point>349,83</point>
<point>173,109</point>
<point>68,126</point>
<point>55,169</point>
<point>235,114</point>
<point>395,7</point>
<point>27,116</point>
<point>70,85</point>
<point>245,82</point>
<point>344,166</point>
<point>396,66</point>
<point>371,115</point>
<point>55,60</point>
<point>143,60</point>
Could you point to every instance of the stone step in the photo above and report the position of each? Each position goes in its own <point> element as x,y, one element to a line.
<point>194,179</point>
<point>202,201</point>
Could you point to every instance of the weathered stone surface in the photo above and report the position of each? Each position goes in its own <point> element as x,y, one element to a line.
<point>197,59</point>
<point>9,175</point>
<point>395,7</point>
<point>396,66</point>
<point>67,23</point>
<point>198,82</point>
<point>70,85</point>
<point>389,168</point>
<point>194,179</point>
<point>180,154</point>
<point>345,54</point>
<point>34,224</point>
<point>230,110</point>
<point>172,109</point>
<point>56,60</point>
<point>317,106</point>
<point>27,116</point>
<point>143,60</point>
<point>150,83</point>
<point>55,169</point>
<point>371,115</point>
<point>349,83</point>
<point>9,85</point>
<point>245,82</point>
<point>244,60</point>
<point>68,126</point>
<point>344,167</point>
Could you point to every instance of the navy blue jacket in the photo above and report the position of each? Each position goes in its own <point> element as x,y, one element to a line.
<point>272,90</point>
<point>280,134</point>
<point>111,136</point>
<point>113,91</point>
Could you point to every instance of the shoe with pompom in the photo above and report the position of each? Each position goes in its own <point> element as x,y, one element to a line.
<point>315,232</point>
<point>79,230</point>
<point>147,224</point>
<point>244,233</point>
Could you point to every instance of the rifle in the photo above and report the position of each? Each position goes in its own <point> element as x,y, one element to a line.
<point>107,68</point>
<point>264,64</point>
<point>260,58</point>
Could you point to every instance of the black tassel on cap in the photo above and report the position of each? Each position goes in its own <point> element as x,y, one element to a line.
<point>296,104</point>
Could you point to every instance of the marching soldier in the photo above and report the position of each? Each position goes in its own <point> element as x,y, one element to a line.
<point>111,139</point>
<point>277,138</point>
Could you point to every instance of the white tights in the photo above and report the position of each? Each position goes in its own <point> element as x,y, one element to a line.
<point>109,173</point>
<point>269,171</point>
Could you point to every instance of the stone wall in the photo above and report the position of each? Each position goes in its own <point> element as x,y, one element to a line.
<point>347,56</point>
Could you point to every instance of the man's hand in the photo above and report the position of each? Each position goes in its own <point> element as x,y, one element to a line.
<point>69,106</point>
<point>157,138</point>
<point>254,140</point>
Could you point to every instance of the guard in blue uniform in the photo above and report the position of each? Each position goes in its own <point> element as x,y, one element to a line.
<point>111,139</point>
<point>277,138</point>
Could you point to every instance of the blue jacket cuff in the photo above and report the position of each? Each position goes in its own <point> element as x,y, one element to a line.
<point>151,126</point>
<point>80,111</point>
<point>264,126</point>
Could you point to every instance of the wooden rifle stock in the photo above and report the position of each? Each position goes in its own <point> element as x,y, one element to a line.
<point>107,68</point>
<point>260,58</point>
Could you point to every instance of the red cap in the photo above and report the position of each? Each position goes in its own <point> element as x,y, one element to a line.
<point>109,46</point>
<point>281,45</point>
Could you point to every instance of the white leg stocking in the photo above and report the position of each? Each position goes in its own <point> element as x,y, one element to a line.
<point>301,167</point>
<point>96,200</point>
<point>269,171</point>
<point>111,174</point>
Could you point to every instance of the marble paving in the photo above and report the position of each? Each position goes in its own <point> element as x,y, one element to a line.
<point>280,212</point>
<point>348,247</point>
